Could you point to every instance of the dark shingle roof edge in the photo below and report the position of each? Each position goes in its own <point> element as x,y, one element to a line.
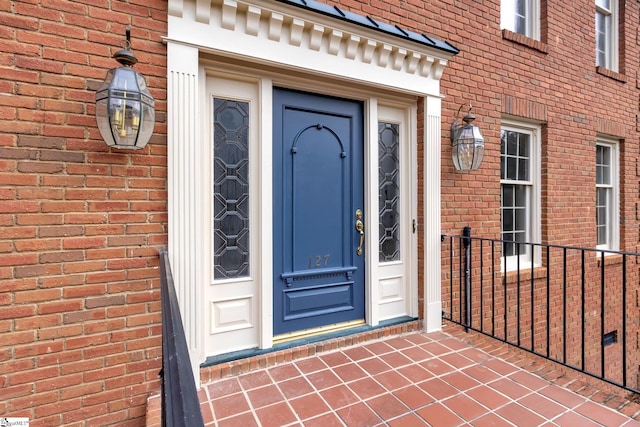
<point>368,22</point>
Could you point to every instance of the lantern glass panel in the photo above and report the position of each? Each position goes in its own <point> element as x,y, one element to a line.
<point>125,109</point>
<point>468,148</point>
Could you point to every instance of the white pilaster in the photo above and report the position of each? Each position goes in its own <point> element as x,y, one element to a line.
<point>371,210</point>
<point>432,227</point>
<point>185,188</point>
<point>266,218</point>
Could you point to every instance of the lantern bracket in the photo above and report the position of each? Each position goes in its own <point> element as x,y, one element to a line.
<point>125,56</point>
<point>468,118</point>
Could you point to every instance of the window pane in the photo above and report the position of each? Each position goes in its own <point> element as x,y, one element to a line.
<point>601,59</point>
<point>523,169</point>
<point>601,214</point>
<point>521,196</point>
<point>601,29</point>
<point>606,155</point>
<point>508,199</point>
<point>512,168</point>
<point>512,143</point>
<point>605,4</point>
<point>603,37</point>
<point>389,191</point>
<point>603,165</point>
<point>523,145</point>
<point>521,17</point>
<point>231,189</point>
<point>602,235</point>
<point>507,220</point>
<point>511,249</point>
<point>520,25</point>
<point>521,220</point>
<point>514,210</point>
<point>515,148</point>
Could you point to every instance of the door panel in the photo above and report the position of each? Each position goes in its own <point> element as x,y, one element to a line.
<point>318,185</point>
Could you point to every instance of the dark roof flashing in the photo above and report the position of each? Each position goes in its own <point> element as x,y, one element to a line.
<point>368,22</point>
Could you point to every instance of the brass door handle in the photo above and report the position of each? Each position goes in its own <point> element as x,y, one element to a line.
<point>359,229</point>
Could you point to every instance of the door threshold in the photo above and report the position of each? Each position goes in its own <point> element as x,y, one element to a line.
<point>306,333</point>
<point>386,327</point>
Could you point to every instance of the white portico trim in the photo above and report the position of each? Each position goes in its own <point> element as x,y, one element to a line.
<point>272,32</point>
<point>282,35</point>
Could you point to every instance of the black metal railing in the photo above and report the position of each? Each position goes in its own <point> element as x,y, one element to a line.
<point>180,404</point>
<point>575,306</point>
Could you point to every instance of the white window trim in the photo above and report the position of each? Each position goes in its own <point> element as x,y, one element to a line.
<point>534,231</point>
<point>612,46</point>
<point>507,17</point>
<point>613,211</point>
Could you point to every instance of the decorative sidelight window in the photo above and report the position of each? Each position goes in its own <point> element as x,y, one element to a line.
<point>231,189</point>
<point>389,190</point>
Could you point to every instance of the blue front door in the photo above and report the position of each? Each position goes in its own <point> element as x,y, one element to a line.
<point>318,272</point>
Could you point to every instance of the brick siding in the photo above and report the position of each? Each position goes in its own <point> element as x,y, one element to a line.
<point>80,225</point>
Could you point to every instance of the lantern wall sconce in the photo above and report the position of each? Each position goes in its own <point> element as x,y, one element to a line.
<point>468,143</point>
<point>125,110</point>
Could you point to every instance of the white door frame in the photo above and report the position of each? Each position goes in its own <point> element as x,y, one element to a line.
<point>401,283</point>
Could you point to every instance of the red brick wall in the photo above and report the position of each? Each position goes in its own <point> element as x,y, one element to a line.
<point>80,225</point>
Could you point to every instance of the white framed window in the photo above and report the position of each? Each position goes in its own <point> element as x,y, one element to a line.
<point>607,195</point>
<point>519,193</point>
<point>521,16</point>
<point>607,34</point>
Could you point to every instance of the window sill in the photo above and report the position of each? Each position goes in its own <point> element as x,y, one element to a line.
<point>524,40</point>
<point>525,274</point>
<point>609,259</point>
<point>611,74</point>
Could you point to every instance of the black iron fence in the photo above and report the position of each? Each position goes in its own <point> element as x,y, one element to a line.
<point>180,403</point>
<point>579,307</point>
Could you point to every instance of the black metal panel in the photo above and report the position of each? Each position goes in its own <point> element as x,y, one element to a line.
<point>180,404</point>
<point>567,313</point>
<point>368,22</point>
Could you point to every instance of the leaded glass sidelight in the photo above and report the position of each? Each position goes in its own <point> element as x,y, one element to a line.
<point>389,188</point>
<point>231,189</point>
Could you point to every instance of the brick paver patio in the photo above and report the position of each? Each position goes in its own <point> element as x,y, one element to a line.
<point>414,379</point>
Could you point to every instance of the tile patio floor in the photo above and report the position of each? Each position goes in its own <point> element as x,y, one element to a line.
<point>416,379</point>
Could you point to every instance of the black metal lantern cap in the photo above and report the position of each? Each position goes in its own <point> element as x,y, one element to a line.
<point>468,144</point>
<point>125,110</point>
